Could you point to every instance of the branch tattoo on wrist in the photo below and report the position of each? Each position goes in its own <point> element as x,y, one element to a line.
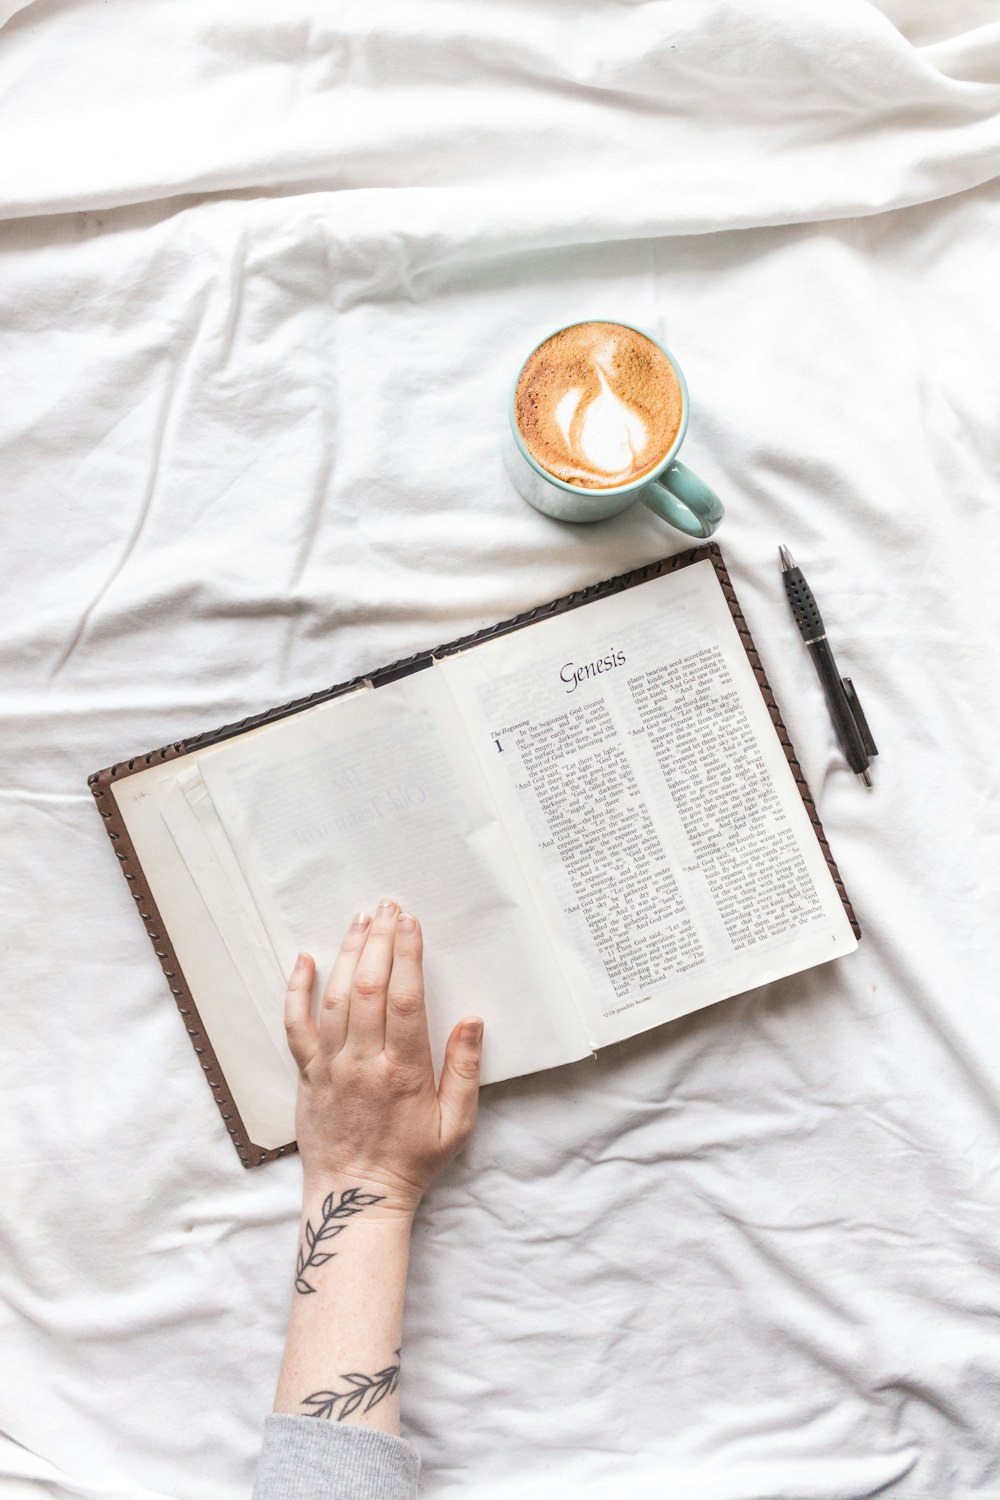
<point>375,1387</point>
<point>352,1201</point>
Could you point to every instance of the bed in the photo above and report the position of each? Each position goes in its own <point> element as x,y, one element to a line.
<point>266,273</point>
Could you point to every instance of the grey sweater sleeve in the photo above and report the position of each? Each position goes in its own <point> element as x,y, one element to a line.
<point>303,1458</point>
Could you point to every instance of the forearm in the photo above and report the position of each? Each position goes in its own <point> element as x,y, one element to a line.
<point>372,1129</point>
<point>342,1350</point>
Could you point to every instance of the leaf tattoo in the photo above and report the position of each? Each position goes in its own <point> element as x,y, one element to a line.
<point>352,1201</point>
<point>375,1387</point>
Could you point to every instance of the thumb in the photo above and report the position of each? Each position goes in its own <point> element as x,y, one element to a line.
<point>458,1091</point>
<point>300,1028</point>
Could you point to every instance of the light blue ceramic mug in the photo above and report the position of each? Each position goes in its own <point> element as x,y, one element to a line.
<point>670,489</point>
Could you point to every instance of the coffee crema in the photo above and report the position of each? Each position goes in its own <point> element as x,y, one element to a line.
<point>598,405</point>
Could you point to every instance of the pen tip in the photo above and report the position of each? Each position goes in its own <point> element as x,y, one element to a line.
<point>865,777</point>
<point>787,561</point>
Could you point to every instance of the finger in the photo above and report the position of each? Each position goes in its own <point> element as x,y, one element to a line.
<point>300,1028</point>
<point>458,1091</point>
<point>337,995</point>
<point>366,1022</point>
<point>405,1015</point>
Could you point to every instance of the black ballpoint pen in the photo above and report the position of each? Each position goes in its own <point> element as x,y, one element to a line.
<point>846,712</point>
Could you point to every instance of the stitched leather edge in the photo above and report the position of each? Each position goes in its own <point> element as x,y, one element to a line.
<point>783,735</point>
<point>250,1154</point>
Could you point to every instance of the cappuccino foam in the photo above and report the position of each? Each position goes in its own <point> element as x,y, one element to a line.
<point>598,405</point>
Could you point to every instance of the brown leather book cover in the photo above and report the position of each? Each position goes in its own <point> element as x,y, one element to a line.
<point>250,1154</point>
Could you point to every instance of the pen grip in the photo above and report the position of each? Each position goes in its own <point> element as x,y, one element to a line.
<point>805,610</point>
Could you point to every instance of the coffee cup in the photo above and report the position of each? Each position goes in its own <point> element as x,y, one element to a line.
<point>597,414</point>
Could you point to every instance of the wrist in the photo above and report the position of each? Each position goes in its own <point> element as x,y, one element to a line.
<point>359,1199</point>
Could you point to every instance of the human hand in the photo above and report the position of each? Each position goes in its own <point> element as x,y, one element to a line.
<point>367,1110</point>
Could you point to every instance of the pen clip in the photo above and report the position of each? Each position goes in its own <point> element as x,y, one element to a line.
<point>859,716</point>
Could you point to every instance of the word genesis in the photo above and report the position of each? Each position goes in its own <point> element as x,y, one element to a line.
<point>573,676</point>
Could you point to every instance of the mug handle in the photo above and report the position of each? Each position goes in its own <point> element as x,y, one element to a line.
<point>685,501</point>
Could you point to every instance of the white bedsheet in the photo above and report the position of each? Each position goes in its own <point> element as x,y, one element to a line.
<point>265,274</point>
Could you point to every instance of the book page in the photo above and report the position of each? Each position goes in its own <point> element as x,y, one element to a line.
<point>251,1049</point>
<point>188,811</point>
<point>378,796</point>
<point>650,802</point>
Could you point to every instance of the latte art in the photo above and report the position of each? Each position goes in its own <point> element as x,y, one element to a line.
<point>598,405</point>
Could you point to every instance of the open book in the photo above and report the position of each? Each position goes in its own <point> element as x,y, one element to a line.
<point>594,811</point>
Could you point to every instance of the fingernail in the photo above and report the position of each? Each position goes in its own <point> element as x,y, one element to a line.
<point>360,919</point>
<point>385,906</point>
<point>406,923</point>
<point>472,1033</point>
<point>300,963</point>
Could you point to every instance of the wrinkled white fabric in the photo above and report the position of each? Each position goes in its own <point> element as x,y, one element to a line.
<point>266,273</point>
<point>27,1476</point>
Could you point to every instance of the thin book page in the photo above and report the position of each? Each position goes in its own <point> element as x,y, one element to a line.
<point>650,803</point>
<point>187,810</point>
<point>255,1069</point>
<point>378,795</point>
